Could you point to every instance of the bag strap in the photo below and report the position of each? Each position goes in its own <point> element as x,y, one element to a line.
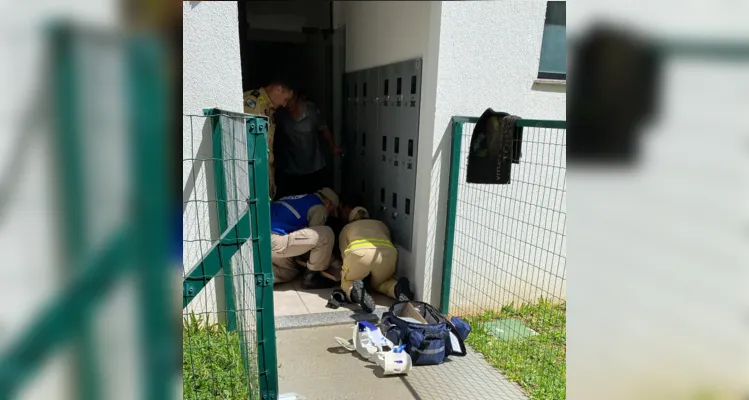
<point>455,333</point>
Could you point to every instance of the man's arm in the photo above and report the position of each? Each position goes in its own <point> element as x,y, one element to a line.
<point>322,126</point>
<point>317,215</point>
<point>331,142</point>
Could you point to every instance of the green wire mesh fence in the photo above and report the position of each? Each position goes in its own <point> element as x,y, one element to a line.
<point>228,331</point>
<point>505,259</point>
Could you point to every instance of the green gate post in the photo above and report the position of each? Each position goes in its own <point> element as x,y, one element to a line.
<point>148,113</point>
<point>260,212</point>
<point>452,207</point>
<point>221,209</point>
<point>71,185</point>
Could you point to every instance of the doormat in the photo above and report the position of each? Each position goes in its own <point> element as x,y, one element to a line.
<point>508,329</point>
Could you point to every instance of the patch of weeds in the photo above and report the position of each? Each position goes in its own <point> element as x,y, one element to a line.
<point>212,362</point>
<point>537,363</point>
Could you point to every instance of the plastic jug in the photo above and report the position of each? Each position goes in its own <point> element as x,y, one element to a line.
<point>394,362</point>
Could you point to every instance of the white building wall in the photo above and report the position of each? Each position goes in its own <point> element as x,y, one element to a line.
<point>488,57</point>
<point>212,77</point>
<point>672,225</point>
<point>383,32</point>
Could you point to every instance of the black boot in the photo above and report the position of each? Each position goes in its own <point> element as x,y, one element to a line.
<point>403,290</point>
<point>315,280</point>
<point>360,296</point>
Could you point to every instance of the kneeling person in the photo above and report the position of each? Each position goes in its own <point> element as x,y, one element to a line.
<point>298,227</point>
<point>367,251</point>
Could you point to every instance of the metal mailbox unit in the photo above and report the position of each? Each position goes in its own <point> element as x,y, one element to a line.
<point>381,123</point>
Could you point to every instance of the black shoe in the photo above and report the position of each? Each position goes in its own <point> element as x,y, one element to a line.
<point>315,280</point>
<point>360,296</point>
<point>403,290</point>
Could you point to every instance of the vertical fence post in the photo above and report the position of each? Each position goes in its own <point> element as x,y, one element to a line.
<point>148,110</point>
<point>260,216</point>
<point>221,211</point>
<point>71,185</point>
<point>452,207</point>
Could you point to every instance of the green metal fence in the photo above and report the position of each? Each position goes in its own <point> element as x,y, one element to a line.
<point>505,258</point>
<point>96,256</point>
<point>229,344</point>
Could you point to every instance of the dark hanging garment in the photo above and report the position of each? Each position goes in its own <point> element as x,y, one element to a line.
<point>612,94</point>
<point>517,143</point>
<point>493,148</point>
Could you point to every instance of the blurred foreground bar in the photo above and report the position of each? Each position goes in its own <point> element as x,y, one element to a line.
<point>657,211</point>
<point>108,102</point>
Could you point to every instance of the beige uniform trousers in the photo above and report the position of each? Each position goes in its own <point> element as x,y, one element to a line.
<point>379,262</point>
<point>318,240</point>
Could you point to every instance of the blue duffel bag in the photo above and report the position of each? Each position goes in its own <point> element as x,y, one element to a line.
<point>429,336</point>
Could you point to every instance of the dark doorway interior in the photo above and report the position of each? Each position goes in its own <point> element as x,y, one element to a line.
<point>290,41</point>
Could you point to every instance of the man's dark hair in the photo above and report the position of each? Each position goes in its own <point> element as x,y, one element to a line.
<point>280,83</point>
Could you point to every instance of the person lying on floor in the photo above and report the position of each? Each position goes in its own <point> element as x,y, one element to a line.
<point>297,227</point>
<point>367,251</point>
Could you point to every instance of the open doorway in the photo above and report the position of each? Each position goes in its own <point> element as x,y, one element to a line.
<point>294,42</point>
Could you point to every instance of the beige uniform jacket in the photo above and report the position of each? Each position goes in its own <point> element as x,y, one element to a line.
<point>258,102</point>
<point>362,229</point>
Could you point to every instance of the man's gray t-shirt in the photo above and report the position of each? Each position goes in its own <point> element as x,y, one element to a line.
<point>299,143</point>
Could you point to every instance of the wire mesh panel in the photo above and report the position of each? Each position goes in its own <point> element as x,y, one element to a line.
<point>220,323</point>
<point>507,270</point>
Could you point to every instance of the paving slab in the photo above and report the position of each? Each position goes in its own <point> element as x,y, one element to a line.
<point>312,364</point>
<point>286,301</point>
<point>297,307</point>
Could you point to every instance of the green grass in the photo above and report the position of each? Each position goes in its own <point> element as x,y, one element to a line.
<point>536,363</point>
<point>212,363</point>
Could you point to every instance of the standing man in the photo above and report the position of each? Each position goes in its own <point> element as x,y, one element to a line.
<point>264,101</point>
<point>298,227</point>
<point>301,161</point>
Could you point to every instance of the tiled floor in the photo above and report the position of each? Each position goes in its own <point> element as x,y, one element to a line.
<point>291,299</point>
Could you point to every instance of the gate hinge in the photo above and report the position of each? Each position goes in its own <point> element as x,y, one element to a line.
<point>263,280</point>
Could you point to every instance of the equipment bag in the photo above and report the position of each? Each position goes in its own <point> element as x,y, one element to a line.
<point>428,335</point>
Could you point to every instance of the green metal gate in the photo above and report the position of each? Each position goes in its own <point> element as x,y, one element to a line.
<point>229,343</point>
<point>505,258</point>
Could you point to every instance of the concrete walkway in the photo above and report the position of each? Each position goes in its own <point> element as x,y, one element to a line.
<point>312,364</point>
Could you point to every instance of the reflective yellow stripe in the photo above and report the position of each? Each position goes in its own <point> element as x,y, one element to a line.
<point>371,242</point>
